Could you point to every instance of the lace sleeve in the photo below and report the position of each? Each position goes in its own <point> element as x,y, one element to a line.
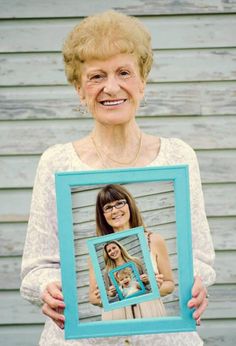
<point>203,250</point>
<point>40,264</point>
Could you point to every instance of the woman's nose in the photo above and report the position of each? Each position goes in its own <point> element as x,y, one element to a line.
<point>111,86</point>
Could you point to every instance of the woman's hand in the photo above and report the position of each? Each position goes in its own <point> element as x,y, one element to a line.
<point>199,299</point>
<point>159,279</point>
<point>96,296</point>
<point>144,278</point>
<point>111,291</point>
<point>54,306</point>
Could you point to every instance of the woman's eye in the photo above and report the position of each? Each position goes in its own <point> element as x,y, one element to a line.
<point>124,73</point>
<point>96,77</point>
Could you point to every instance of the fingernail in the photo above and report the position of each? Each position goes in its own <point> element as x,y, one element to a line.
<point>198,322</point>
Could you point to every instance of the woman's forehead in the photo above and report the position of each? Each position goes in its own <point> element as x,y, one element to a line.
<point>111,245</point>
<point>112,202</point>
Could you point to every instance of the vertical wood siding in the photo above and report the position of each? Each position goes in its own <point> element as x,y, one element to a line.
<point>191,94</point>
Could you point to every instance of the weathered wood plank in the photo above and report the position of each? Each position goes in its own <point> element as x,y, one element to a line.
<point>12,237</point>
<point>218,332</point>
<point>10,270</point>
<point>47,9</point>
<point>223,232</point>
<point>14,307</point>
<point>169,66</point>
<point>215,166</point>
<point>212,132</point>
<point>191,31</point>
<point>18,171</point>
<point>162,99</point>
<point>16,205</point>
<point>219,200</point>
<point>27,335</point>
<point>214,199</point>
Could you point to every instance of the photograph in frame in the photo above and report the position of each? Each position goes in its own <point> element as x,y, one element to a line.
<point>134,291</point>
<point>162,195</point>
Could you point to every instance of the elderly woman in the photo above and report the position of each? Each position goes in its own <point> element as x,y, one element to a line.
<point>107,59</point>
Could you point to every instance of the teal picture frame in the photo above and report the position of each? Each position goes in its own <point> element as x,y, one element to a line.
<point>65,181</point>
<point>135,272</point>
<point>136,299</point>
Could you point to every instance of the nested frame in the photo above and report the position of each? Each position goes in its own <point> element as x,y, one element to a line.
<point>64,181</point>
<point>153,294</point>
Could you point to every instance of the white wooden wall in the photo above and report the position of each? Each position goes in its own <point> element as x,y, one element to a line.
<point>191,95</point>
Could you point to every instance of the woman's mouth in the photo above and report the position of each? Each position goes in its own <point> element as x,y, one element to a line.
<point>113,103</point>
<point>117,217</point>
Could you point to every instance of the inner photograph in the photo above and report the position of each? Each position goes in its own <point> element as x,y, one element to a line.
<point>103,210</point>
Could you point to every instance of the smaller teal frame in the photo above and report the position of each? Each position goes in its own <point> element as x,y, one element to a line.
<point>184,322</point>
<point>154,294</point>
<point>134,269</point>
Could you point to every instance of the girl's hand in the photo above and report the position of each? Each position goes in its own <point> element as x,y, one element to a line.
<point>144,278</point>
<point>54,306</point>
<point>159,279</point>
<point>199,299</point>
<point>111,291</point>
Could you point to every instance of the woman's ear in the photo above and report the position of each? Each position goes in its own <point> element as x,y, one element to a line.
<point>142,88</point>
<point>80,92</point>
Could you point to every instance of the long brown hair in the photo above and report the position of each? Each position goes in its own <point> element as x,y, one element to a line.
<point>111,193</point>
<point>110,263</point>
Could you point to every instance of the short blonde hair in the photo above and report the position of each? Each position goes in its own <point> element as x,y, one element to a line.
<point>102,36</point>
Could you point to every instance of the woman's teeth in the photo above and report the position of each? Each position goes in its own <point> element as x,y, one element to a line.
<point>117,217</point>
<point>112,103</point>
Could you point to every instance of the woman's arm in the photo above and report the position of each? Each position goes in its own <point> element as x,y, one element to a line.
<point>94,294</point>
<point>203,250</point>
<point>40,263</point>
<point>165,277</point>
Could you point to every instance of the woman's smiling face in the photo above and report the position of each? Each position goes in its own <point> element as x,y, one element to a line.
<point>112,89</point>
<point>113,251</point>
<point>119,218</point>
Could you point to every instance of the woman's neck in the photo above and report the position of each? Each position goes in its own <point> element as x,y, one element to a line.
<point>119,261</point>
<point>117,142</point>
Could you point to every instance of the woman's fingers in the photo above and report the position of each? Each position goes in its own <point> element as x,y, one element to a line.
<point>54,289</point>
<point>201,308</point>
<point>55,314</point>
<point>53,306</point>
<point>144,278</point>
<point>97,294</point>
<point>160,279</point>
<point>199,299</point>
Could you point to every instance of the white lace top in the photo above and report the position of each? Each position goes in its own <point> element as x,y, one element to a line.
<point>41,262</point>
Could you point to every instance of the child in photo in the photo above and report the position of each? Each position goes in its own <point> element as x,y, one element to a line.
<point>127,284</point>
